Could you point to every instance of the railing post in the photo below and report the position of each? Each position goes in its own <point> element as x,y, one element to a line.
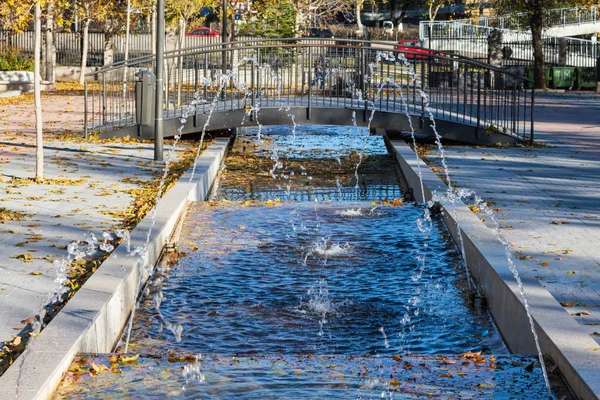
<point>85,111</point>
<point>195,76</point>
<point>103,98</point>
<point>366,85</point>
<point>514,107</point>
<point>532,114</point>
<point>252,90</point>
<point>205,78</point>
<point>310,78</point>
<point>478,104</point>
<point>598,74</point>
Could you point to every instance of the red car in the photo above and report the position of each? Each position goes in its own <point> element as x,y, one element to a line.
<point>412,49</point>
<point>204,32</point>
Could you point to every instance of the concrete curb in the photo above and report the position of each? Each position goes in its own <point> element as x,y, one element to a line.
<point>561,337</point>
<point>92,321</point>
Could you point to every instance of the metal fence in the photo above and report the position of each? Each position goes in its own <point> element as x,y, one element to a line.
<point>69,45</point>
<point>473,41</point>
<point>552,18</point>
<point>309,74</point>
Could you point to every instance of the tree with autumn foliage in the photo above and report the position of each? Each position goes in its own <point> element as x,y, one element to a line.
<point>110,15</point>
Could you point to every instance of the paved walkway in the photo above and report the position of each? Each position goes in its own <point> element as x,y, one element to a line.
<point>89,191</point>
<point>548,199</point>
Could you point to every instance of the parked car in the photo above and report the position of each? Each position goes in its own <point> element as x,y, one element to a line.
<point>204,32</point>
<point>412,50</point>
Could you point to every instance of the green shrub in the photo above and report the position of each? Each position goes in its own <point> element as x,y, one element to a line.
<point>11,59</point>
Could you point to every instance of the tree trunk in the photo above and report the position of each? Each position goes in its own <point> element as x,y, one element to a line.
<point>359,25</point>
<point>126,51</point>
<point>433,10</point>
<point>535,22</point>
<point>127,30</point>
<point>49,68</point>
<point>37,88</point>
<point>153,35</point>
<point>182,28</point>
<point>84,51</point>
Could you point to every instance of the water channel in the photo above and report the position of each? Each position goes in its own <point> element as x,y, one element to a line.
<point>306,276</point>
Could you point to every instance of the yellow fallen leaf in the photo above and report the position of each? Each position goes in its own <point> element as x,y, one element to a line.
<point>129,360</point>
<point>98,369</point>
<point>17,341</point>
<point>545,263</point>
<point>571,273</point>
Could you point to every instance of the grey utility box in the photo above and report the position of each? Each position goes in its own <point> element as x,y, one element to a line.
<point>145,84</point>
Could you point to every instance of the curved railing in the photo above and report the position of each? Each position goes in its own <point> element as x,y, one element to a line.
<point>319,74</point>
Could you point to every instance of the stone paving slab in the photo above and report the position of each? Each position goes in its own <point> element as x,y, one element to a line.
<point>89,193</point>
<point>547,200</point>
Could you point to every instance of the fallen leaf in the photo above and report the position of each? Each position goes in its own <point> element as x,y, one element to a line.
<point>545,264</point>
<point>529,367</point>
<point>571,273</point>
<point>17,341</point>
<point>77,369</point>
<point>581,313</point>
<point>35,273</point>
<point>24,257</point>
<point>129,360</point>
<point>568,303</point>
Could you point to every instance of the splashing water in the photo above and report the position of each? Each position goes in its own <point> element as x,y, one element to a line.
<point>323,248</point>
<point>351,212</point>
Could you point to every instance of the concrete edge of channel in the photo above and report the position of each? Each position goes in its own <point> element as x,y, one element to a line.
<point>92,321</point>
<point>561,337</point>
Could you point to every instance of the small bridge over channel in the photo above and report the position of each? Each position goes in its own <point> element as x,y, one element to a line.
<point>314,81</point>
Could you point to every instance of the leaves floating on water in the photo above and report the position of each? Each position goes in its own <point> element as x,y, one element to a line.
<point>129,360</point>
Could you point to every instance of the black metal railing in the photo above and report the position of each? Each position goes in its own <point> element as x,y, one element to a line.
<point>319,73</point>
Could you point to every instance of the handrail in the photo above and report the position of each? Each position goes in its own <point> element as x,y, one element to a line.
<point>354,44</point>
